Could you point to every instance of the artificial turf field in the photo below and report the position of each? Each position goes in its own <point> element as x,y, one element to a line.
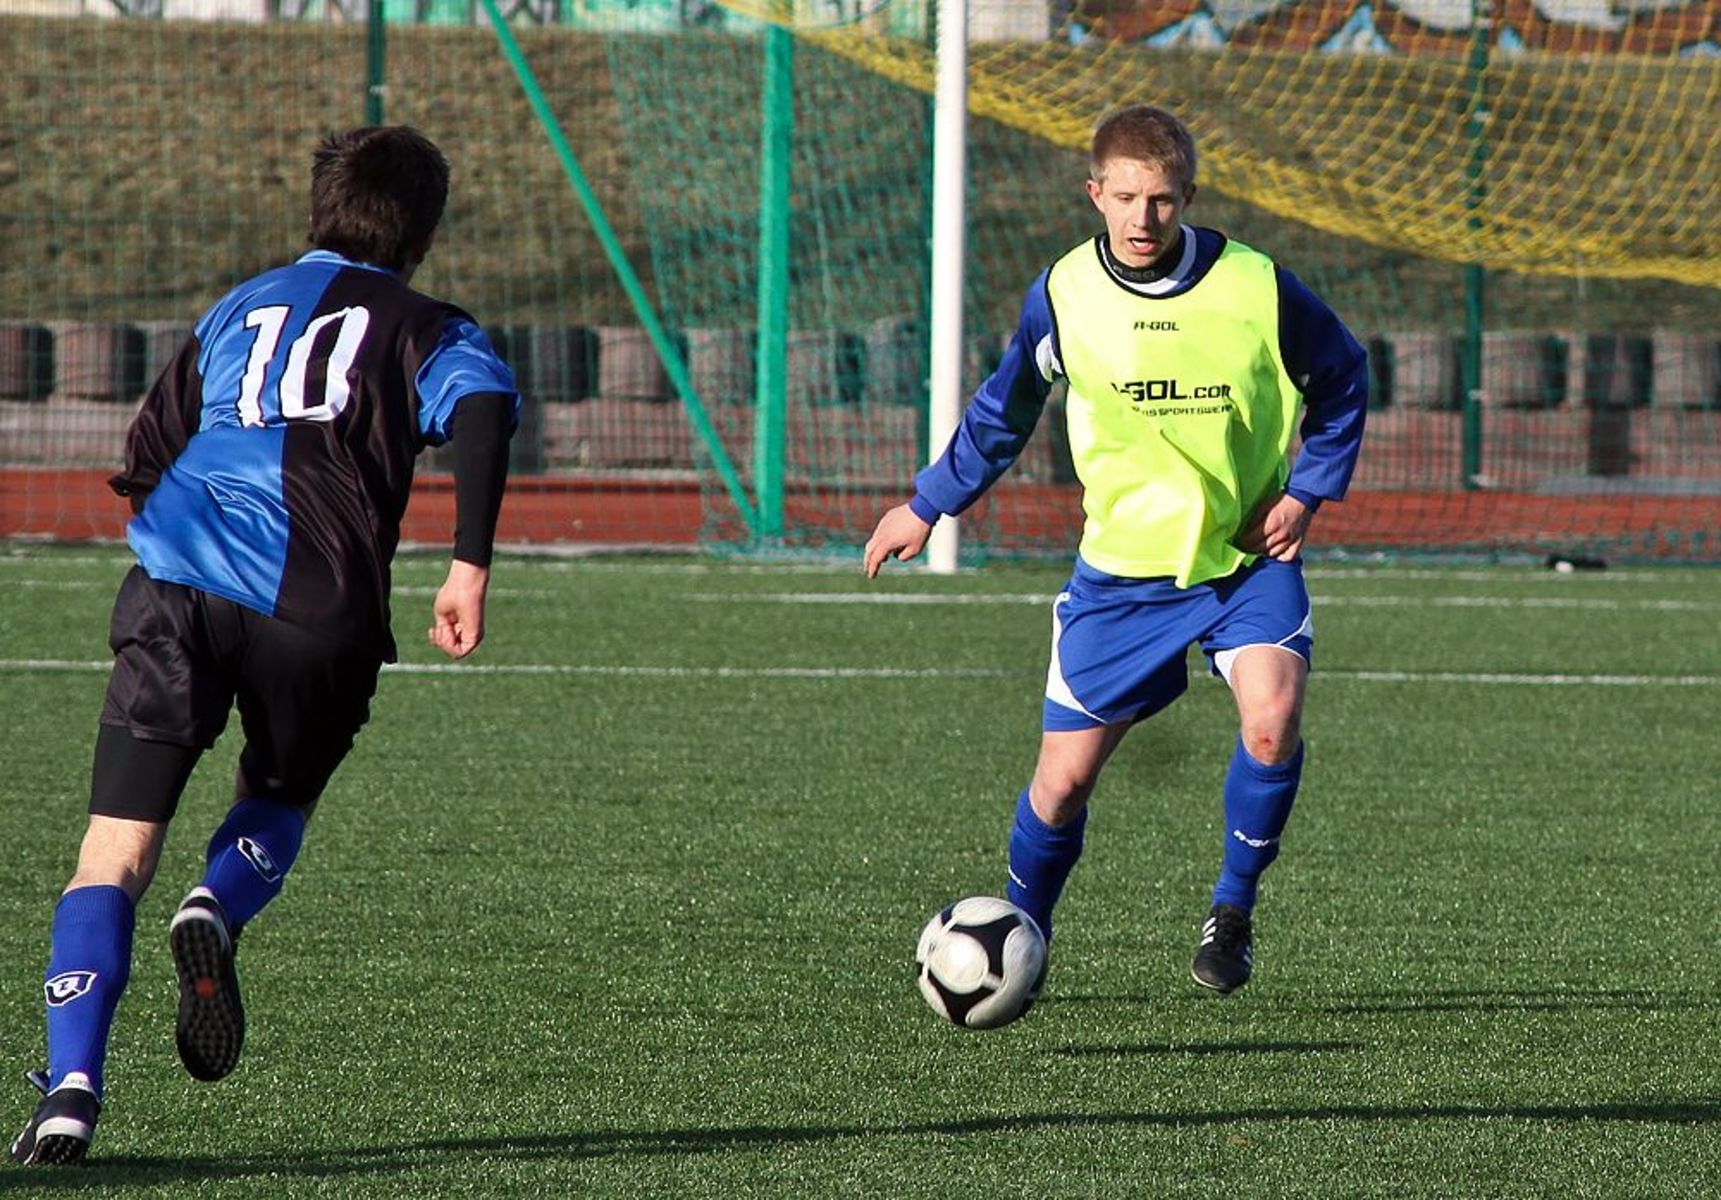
<point>626,904</point>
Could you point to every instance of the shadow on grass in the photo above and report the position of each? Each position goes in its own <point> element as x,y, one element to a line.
<point>1200,1049</point>
<point>1503,1001</point>
<point>1194,996</point>
<point>406,1157</point>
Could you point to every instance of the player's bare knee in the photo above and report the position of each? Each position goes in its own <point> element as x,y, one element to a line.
<point>131,878</point>
<point>1272,743</point>
<point>118,853</point>
<point>1271,724</point>
<point>1058,796</point>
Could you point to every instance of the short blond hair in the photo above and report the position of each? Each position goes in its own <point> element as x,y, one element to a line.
<point>1146,134</point>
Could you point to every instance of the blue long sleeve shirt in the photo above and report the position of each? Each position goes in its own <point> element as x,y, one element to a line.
<point>1321,356</point>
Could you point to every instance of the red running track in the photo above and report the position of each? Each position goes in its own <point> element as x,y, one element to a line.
<point>76,506</point>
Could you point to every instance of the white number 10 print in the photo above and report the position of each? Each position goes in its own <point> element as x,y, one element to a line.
<point>294,406</point>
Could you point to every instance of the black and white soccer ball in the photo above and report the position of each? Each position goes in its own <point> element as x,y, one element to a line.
<point>982,962</point>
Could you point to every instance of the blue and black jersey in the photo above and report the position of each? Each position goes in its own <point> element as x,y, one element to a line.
<point>272,461</point>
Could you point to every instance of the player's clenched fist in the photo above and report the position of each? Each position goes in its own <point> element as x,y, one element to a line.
<point>458,610</point>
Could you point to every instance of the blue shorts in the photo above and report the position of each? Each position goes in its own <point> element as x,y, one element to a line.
<point>1119,645</point>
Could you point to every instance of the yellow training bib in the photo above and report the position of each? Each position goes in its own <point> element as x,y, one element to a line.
<point>1180,411</point>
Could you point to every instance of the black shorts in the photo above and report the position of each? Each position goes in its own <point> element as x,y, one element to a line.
<point>182,657</point>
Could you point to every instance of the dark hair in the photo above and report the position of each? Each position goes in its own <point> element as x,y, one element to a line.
<point>377,194</point>
<point>1146,134</point>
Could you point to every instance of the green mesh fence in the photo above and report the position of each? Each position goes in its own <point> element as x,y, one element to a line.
<point>148,162</point>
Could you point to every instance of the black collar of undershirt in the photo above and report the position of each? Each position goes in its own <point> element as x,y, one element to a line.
<point>1152,273</point>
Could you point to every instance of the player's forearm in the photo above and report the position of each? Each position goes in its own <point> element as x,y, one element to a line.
<point>480,434</point>
<point>961,475</point>
<point>1333,420</point>
<point>995,427</point>
<point>1330,368</point>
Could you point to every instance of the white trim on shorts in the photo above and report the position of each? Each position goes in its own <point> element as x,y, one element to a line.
<point>1224,659</point>
<point>1057,690</point>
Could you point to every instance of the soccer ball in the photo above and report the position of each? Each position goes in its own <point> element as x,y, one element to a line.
<point>982,962</point>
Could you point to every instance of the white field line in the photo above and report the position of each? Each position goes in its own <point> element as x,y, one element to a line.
<point>1042,598</point>
<point>504,592</point>
<point>557,566</point>
<point>25,558</point>
<point>1488,575</point>
<point>108,585</point>
<point>491,593</point>
<point>1650,605</point>
<point>1494,677</point>
<point>1598,604</point>
<point>606,564</point>
<point>52,665</point>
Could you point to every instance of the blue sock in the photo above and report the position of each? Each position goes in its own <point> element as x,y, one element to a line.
<point>1041,857</point>
<point>88,967</point>
<point>249,856</point>
<point>1258,801</point>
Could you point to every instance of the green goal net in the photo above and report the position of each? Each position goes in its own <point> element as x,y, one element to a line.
<point>700,233</point>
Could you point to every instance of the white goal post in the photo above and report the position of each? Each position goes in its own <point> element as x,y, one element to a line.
<point>949,252</point>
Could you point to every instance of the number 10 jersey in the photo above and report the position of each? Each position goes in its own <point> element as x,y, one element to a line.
<point>271,462</point>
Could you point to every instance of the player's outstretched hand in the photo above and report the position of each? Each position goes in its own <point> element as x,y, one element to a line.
<point>900,535</point>
<point>458,611</point>
<point>1277,529</point>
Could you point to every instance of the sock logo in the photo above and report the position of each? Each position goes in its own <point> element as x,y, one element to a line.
<point>259,858</point>
<point>1254,843</point>
<point>67,986</point>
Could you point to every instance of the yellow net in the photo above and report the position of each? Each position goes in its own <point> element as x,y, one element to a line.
<point>1563,137</point>
<point>1567,398</point>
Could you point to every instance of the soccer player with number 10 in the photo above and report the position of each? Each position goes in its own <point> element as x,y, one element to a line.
<point>268,470</point>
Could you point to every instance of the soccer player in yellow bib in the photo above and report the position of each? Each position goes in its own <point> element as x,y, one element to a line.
<point>1188,356</point>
